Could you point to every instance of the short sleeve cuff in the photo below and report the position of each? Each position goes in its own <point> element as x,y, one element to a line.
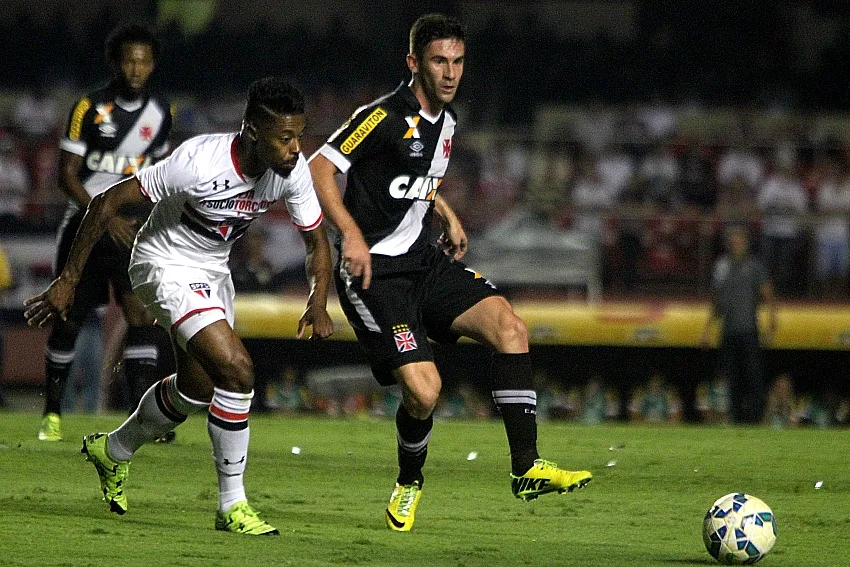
<point>73,146</point>
<point>335,157</point>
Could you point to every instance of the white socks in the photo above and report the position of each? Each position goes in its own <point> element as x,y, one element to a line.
<point>227,424</point>
<point>161,409</point>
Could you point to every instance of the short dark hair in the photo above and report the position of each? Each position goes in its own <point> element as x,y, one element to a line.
<point>130,33</point>
<point>272,97</point>
<point>434,26</point>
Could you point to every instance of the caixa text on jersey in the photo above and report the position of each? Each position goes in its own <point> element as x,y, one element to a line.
<point>119,164</point>
<point>421,188</point>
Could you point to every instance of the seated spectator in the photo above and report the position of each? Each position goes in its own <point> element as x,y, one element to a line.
<point>712,400</point>
<point>780,410</point>
<point>815,410</point>
<point>655,403</point>
<point>842,412</point>
<point>552,401</point>
<point>598,404</point>
<point>286,394</point>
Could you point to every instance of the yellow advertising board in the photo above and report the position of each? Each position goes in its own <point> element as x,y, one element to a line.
<point>661,324</point>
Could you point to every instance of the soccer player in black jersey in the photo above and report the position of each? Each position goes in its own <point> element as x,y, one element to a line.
<point>398,289</point>
<point>112,132</point>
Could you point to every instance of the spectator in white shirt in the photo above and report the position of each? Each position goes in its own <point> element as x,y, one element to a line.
<point>782,199</point>
<point>832,232</point>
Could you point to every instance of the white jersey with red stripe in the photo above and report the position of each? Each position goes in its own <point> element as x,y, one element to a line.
<point>204,203</point>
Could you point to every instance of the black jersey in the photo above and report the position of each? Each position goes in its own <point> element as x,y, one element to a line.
<point>115,137</point>
<point>395,156</point>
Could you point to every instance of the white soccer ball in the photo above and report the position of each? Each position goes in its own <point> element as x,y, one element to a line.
<point>739,529</point>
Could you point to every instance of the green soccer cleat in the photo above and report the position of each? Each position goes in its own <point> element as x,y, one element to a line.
<point>51,427</point>
<point>402,507</point>
<point>545,477</point>
<point>113,474</point>
<point>242,519</point>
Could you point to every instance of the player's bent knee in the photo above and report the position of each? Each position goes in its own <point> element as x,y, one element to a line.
<point>512,334</point>
<point>236,374</point>
<point>420,405</point>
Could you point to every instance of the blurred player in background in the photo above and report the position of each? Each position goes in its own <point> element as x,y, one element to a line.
<point>206,194</point>
<point>398,289</point>
<point>112,132</point>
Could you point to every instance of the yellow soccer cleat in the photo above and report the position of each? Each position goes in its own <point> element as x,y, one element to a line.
<point>113,474</point>
<point>402,507</point>
<point>545,477</point>
<point>242,519</point>
<point>51,428</point>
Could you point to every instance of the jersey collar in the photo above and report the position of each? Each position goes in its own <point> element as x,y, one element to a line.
<point>413,103</point>
<point>235,159</point>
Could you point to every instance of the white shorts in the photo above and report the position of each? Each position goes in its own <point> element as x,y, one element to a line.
<point>184,300</point>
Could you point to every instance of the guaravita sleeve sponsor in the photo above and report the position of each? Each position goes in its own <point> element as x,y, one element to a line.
<point>361,136</point>
<point>75,133</point>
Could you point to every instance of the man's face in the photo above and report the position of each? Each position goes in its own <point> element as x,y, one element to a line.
<point>135,65</point>
<point>279,142</point>
<point>440,69</point>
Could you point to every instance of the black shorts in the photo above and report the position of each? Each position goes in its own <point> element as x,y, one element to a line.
<point>396,316</point>
<point>107,263</point>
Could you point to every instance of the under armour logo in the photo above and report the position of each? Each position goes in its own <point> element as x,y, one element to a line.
<point>225,185</point>
<point>239,462</point>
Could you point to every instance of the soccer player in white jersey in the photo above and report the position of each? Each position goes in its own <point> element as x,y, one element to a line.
<point>206,194</point>
<point>398,290</point>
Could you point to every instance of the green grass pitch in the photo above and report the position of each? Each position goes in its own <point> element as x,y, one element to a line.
<point>645,506</point>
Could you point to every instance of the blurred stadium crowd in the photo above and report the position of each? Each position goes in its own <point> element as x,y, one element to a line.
<point>647,186</point>
<point>641,128</point>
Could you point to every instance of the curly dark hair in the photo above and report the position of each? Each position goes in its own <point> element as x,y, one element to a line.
<point>434,26</point>
<point>272,97</point>
<point>130,33</point>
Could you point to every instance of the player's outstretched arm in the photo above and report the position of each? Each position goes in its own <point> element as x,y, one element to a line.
<point>453,239</point>
<point>57,299</point>
<point>355,252</point>
<point>318,268</point>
